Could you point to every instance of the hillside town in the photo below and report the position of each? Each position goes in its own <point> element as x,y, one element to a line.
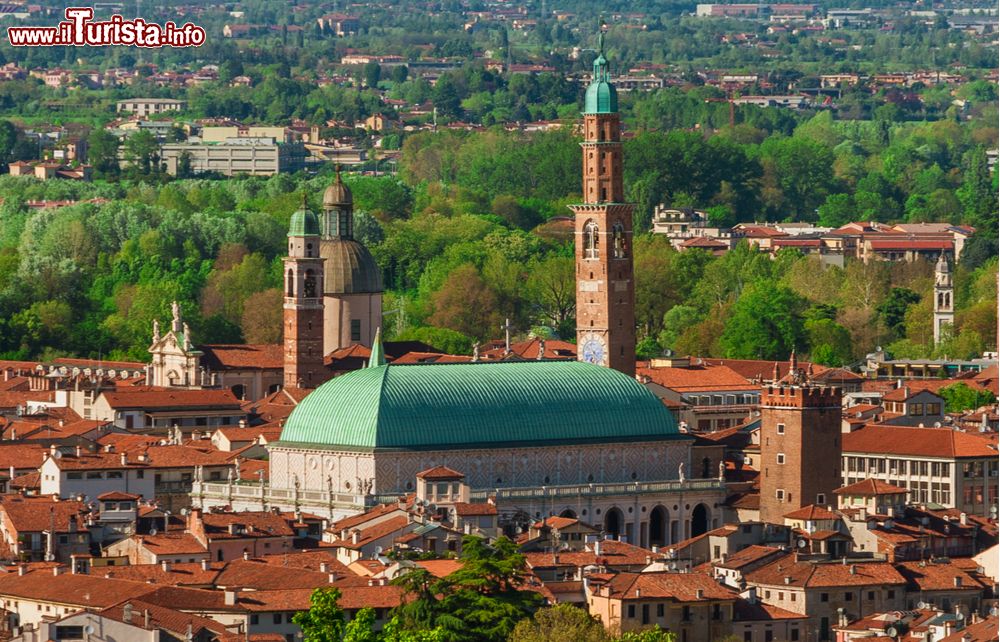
<point>470,321</point>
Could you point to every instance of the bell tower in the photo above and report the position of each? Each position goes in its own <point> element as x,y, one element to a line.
<point>303,308</point>
<point>944,289</point>
<point>605,294</point>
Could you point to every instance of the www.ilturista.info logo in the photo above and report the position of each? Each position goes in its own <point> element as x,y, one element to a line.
<point>78,30</point>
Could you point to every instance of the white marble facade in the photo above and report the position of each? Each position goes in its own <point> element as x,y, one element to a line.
<point>485,469</point>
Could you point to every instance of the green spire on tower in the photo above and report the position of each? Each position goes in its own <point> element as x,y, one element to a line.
<point>378,352</point>
<point>602,98</point>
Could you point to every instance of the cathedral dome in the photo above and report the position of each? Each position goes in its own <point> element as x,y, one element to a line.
<point>349,267</point>
<point>303,223</point>
<point>337,194</point>
<point>488,404</point>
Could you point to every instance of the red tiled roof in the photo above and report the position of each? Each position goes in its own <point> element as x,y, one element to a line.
<point>923,442</point>
<point>163,618</point>
<point>904,244</point>
<point>72,589</point>
<point>556,522</point>
<point>440,473</point>
<point>786,571</point>
<point>179,543</point>
<point>180,573</point>
<point>696,378</point>
<point>749,555</point>
<point>440,568</point>
<point>36,514</point>
<point>704,241</point>
<point>148,398</point>
<point>870,488</point>
<point>985,631</point>
<point>463,509</point>
<point>678,587</point>
<point>220,356</point>
<point>115,496</point>
<point>937,576</point>
<point>811,512</point>
<point>375,532</point>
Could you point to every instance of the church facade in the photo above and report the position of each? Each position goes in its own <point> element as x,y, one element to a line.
<point>544,437</point>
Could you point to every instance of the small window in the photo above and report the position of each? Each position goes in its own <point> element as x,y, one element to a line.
<point>781,429</point>
<point>277,618</point>
<point>254,619</point>
<point>820,499</point>
<point>95,474</point>
<point>795,635</point>
<point>659,610</point>
<point>824,597</point>
<point>781,458</point>
<point>115,474</point>
<point>74,475</point>
<point>140,474</point>
<point>871,595</point>
<point>890,594</point>
<point>848,596</point>
<point>355,329</point>
<point>631,610</point>
<point>780,494</point>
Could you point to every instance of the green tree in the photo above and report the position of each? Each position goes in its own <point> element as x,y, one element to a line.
<point>102,153</point>
<point>765,323</point>
<point>893,308</point>
<point>959,397</point>
<point>481,601</point>
<point>560,623</point>
<point>324,621</point>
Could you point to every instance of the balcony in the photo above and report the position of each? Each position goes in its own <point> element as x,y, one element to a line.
<point>599,490</point>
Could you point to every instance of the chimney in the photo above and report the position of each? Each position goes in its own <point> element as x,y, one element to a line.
<point>699,594</point>
<point>854,569</point>
<point>22,569</point>
<point>332,578</point>
<point>788,579</point>
<point>324,567</point>
<point>52,451</point>
<point>638,592</point>
<point>79,451</point>
<point>355,536</point>
<point>57,571</point>
<point>204,565</point>
<point>165,565</point>
<point>124,459</point>
<point>127,613</point>
<point>145,618</point>
<point>752,595</point>
<point>963,519</point>
<point>958,581</point>
<point>231,597</point>
<point>246,555</point>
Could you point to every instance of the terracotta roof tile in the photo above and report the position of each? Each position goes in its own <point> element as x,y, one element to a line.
<point>870,488</point>
<point>811,512</point>
<point>149,398</point>
<point>28,514</point>
<point>924,442</point>
<point>816,575</point>
<point>440,473</point>
<point>71,589</point>
<point>937,576</point>
<point>242,356</point>
<point>696,378</point>
<point>749,555</point>
<point>678,587</point>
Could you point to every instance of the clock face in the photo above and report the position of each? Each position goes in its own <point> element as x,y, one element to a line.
<point>593,350</point>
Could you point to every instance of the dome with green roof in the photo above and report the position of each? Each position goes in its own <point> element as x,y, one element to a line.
<point>303,223</point>
<point>602,97</point>
<point>488,404</point>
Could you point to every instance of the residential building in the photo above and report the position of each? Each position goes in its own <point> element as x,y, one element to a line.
<point>235,156</point>
<point>43,527</point>
<point>712,397</point>
<point>948,467</point>
<point>143,107</point>
<point>826,590</point>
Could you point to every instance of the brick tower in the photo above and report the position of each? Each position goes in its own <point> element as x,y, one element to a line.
<point>303,308</point>
<point>605,295</point>
<point>799,446</point>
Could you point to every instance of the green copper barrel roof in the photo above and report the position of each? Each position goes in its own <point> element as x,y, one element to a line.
<point>442,406</point>
<point>303,223</point>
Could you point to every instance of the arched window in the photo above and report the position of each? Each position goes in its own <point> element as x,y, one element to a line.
<point>309,287</point>
<point>618,240</point>
<point>290,284</point>
<point>590,240</point>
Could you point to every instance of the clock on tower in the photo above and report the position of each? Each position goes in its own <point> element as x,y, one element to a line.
<point>605,286</point>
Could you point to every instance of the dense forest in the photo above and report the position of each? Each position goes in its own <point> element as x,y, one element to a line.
<point>469,233</point>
